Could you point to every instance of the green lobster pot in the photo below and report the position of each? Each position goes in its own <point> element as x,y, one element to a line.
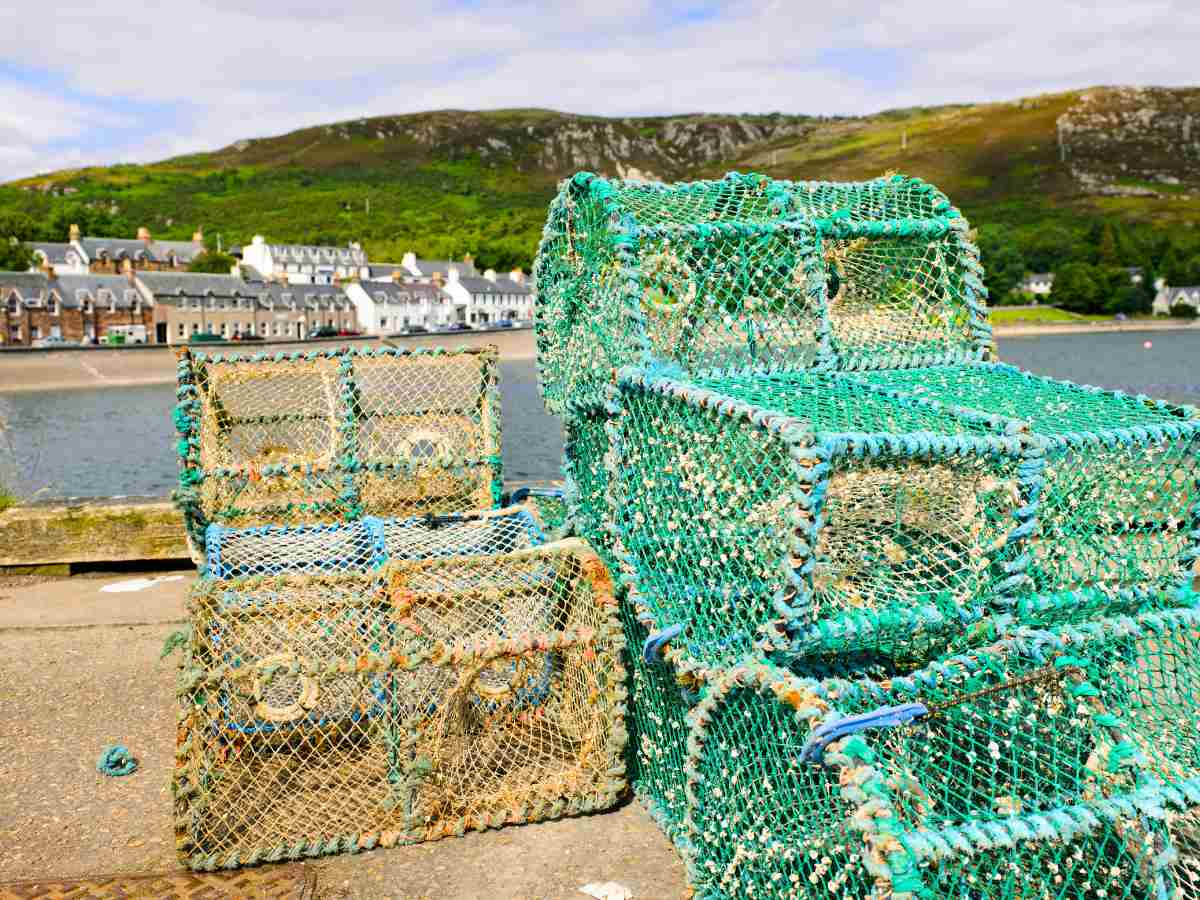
<point>1041,766</point>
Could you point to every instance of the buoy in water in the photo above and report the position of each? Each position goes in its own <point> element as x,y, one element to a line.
<point>1148,345</point>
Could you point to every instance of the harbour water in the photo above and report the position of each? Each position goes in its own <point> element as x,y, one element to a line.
<point>120,441</point>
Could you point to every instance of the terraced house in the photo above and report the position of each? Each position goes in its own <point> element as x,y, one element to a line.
<point>395,306</point>
<point>46,306</point>
<point>101,255</point>
<point>306,263</point>
<point>492,298</point>
<point>227,306</point>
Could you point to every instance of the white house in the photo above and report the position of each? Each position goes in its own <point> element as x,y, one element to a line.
<point>64,258</point>
<point>1039,283</point>
<point>388,307</point>
<point>1168,297</point>
<point>306,263</point>
<point>492,298</point>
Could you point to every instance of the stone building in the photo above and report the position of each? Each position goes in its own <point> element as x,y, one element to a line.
<point>79,308</point>
<point>227,306</point>
<point>113,256</point>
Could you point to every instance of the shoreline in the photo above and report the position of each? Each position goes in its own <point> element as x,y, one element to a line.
<point>67,370</point>
<point>71,369</point>
<point>1134,325</point>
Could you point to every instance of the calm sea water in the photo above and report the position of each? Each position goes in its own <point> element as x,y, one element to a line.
<point>89,443</point>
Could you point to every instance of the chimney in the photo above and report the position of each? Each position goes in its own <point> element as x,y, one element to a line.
<point>75,233</point>
<point>144,234</point>
<point>235,271</point>
<point>517,275</point>
<point>127,267</point>
<point>490,274</point>
<point>397,275</point>
<point>198,236</point>
<point>437,278</point>
<point>49,270</point>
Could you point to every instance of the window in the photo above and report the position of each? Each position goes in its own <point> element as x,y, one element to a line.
<point>56,331</point>
<point>383,323</point>
<point>87,307</point>
<point>195,328</point>
<point>14,306</point>
<point>182,330</point>
<point>197,303</point>
<point>277,332</point>
<point>34,332</point>
<point>52,306</point>
<point>16,332</point>
<point>224,329</point>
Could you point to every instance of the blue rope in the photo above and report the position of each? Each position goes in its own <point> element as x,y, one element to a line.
<point>116,761</point>
<point>652,648</point>
<point>886,717</point>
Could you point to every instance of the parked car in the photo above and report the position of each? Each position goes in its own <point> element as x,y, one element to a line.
<point>52,341</point>
<point>503,323</point>
<point>412,329</point>
<point>460,326</point>
<point>204,337</point>
<point>347,332</point>
<point>247,336</point>
<point>324,331</point>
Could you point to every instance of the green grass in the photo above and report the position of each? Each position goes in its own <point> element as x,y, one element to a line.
<point>1041,315</point>
<point>439,186</point>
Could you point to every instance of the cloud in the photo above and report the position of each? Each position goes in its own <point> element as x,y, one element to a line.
<point>86,85</point>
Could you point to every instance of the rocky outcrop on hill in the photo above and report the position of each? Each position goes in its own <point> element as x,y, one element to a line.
<point>1133,141</point>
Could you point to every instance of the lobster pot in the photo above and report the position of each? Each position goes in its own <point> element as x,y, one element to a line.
<point>332,713</point>
<point>1016,771</point>
<point>810,514</point>
<point>333,435</point>
<point>751,273</point>
<point>1118,505</point>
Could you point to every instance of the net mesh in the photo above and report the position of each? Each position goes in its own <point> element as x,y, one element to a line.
<point>804,512</point>
<point>586,466</point>
<point>333,435</point>
<point>1024,775</point>
<point>1119,491</point>
<point>337,712</point>
<point>366,544</point>
<point>751,272</point>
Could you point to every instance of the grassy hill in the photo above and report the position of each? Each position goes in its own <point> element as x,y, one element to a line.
<point>450,182</point>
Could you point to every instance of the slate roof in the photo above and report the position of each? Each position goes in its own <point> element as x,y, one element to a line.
<point>132,248</point>
<point>390,292</point>
<point>191,284</point>
<point>386,270</point>
<point>1188,294</point>
<point>429,266</point>
<point>56,254</point>
<point>71,290</point>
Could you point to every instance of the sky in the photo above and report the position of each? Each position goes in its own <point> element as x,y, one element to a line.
<point>87,83</point>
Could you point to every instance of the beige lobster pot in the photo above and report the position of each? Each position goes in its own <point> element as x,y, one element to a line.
<point>334,713</point>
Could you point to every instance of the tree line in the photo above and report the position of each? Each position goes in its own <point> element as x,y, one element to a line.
<point>1091,262</point>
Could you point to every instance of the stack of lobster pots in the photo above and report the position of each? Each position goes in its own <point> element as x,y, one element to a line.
<point>379,652</point>
<point>901,620</point>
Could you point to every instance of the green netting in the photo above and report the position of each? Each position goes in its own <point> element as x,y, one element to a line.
<point>1118,506</point>
<point>809,513</point>
<point>1043,766</point>
<point>658,729</point>
<point>747,272</point>
<point>585,473</point>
